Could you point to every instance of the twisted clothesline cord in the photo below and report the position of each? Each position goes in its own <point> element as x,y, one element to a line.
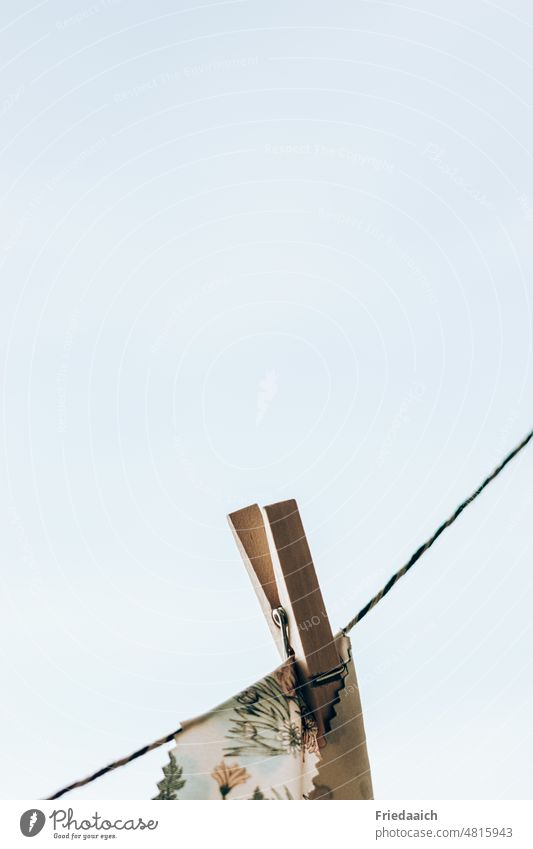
<point>424,547</point>
<point>351,624</point>
<point>121,762</point>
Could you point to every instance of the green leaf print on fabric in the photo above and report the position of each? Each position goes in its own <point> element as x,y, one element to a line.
<point>277,795</point>
<point>258,794</point>
<point>271,719</point>
<point>172,782</point>
<point>262,722</point>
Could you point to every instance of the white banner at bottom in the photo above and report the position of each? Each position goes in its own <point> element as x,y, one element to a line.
<point>413,824</point>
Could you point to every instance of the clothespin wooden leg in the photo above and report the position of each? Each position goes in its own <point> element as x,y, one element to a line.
<point>248,528</point>
<point>274,547</point>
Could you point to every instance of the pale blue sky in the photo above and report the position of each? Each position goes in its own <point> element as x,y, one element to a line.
<point>253,251</point>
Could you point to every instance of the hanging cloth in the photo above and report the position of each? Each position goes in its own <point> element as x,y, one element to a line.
<point>262,744</point>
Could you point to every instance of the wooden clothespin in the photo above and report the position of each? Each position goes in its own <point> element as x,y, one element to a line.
<point>274,548</point>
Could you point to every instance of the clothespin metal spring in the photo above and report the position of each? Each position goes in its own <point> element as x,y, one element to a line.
<point>335,674</point>
<point>280,618</point>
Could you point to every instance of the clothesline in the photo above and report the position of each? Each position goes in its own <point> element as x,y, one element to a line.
<point>351,624</point>
<point>424,547</point>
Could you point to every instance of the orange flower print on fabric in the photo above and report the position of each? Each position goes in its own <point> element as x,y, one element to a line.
<point>229,776</point>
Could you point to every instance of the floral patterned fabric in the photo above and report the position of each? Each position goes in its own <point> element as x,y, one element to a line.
<point>262,744</point>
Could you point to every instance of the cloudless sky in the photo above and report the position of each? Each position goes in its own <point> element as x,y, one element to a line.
<point>253,251</point>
